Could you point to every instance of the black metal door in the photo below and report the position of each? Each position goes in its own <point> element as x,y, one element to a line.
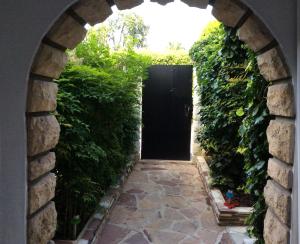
<point>167,112</point>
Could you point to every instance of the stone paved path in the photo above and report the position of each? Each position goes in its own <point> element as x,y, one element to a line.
<point>163,202</point>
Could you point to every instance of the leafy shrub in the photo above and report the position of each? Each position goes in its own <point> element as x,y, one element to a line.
<point>171,57</point>
<point>98,110</point>
<point>233,115</point>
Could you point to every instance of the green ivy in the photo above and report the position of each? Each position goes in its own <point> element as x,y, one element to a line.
<point>220,61</point>
<point>254,146</point>
<point>233,116</point>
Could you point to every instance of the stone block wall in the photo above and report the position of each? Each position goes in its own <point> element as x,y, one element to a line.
<point>42,136</point>
<point>43,128</point>
<point>281,137</point>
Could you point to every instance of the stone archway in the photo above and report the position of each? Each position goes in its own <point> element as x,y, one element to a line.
<point>43,128</point>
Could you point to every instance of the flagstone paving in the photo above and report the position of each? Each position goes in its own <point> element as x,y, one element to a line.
<point>165,202</point>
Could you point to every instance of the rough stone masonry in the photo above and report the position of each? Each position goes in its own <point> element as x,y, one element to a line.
<point>43,128</point>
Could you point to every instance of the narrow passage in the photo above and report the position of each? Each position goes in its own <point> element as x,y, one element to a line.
<point>163,202</point>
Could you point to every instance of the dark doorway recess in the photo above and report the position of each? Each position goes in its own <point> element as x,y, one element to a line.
<point>167,112</point>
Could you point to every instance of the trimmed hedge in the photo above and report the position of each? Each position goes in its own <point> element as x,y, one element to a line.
<point>172,57</point>
<point>99,113</point>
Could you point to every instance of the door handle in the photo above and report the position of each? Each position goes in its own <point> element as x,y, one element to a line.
<point>187,110</point>
<point>172,90</point>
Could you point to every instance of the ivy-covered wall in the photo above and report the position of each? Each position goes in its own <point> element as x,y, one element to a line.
<point>233,116</point>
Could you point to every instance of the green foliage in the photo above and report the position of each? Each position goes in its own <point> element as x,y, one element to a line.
<point>254,146</point>
<point>233,115</point>
<point>220,61</point>
<point>169,58</point>
<point>98,110</point>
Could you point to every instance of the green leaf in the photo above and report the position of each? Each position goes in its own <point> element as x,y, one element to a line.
<point>240,112</point>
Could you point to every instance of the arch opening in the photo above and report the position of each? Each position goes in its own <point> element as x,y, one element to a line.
<point>68,31</point>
